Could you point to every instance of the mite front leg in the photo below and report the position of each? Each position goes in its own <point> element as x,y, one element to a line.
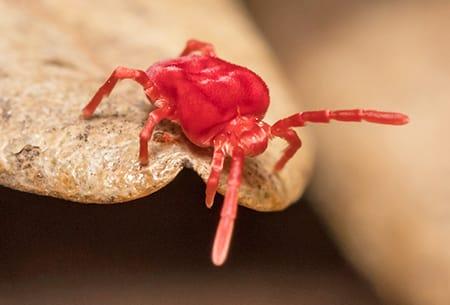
<point>195,46</point>
<point>294,143</point>
<point>282,127</point>
<point>119,73</point>
<point>213,180</point>
<point>353,115</point>
<point>154,118</point>
<point>229,210</point>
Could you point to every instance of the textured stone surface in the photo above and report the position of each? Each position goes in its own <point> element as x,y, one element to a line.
<point>55,54</point>
<point>383,191</point>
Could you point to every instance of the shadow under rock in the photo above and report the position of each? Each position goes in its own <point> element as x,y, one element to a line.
<point>156,249</point>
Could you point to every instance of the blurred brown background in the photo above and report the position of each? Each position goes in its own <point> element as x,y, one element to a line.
<point>378,199</point>
<point>382,191</point>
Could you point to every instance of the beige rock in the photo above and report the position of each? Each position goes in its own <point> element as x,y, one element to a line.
<point>384,191</point>
<point>55,54</point>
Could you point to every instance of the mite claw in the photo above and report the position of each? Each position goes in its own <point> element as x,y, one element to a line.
<point>86,113</point>
<point>209,201</point>
<point>222,241</point>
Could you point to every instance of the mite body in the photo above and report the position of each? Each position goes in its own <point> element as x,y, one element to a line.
<point>207,93</point>
<point>221,105</point>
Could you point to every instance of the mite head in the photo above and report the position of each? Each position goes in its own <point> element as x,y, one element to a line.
<point>248,133</point>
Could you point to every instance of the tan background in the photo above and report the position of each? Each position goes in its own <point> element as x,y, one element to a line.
<point>381,191</point>
<point>155,250</point>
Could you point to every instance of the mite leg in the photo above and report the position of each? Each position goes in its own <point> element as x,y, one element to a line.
<point>353,115</point>
<point>213,180</point>
<point>154,118</point>
<point>282,127</point>
<point>229,210</point>
<point>195,46</point>
<point>294,143</point>
<point>119,73</point>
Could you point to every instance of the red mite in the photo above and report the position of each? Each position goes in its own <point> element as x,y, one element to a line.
<point>221,105</point>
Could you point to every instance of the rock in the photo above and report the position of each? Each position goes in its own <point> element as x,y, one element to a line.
<point>55,55</point>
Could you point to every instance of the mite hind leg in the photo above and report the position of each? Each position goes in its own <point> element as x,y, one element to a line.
<point>118,74</point>
<point>195,46</point>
